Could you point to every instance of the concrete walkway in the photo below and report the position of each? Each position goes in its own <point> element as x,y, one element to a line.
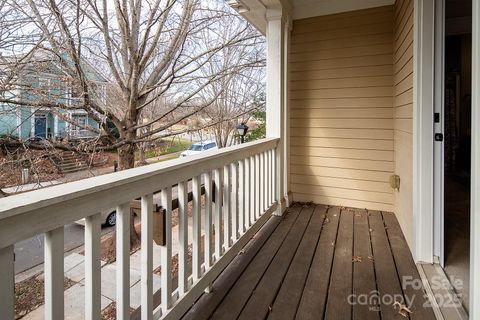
<point>75,270</point>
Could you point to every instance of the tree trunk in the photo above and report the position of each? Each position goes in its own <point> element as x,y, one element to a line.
<point>126,159</point>
<point>142,160</point>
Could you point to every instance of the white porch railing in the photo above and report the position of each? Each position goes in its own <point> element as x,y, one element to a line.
<point>81,134</point>
<point>244,182</point>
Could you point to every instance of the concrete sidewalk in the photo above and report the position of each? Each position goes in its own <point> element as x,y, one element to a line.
<point>75,270</point>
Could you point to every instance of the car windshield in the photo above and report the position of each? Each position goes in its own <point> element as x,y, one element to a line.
<point>196,147</point>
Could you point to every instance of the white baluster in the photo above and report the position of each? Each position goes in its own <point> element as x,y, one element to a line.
<point>241,197</point>
<point>261,179</point>
<point>123,261</point>
<point>92,267</point>
<point>218,213</point>
<point>147,257</point>
<point>166,250</point>
<point>182,237</point>
<point>54,300</point>
<point>257,186</point>
<point>208,219</point>
<point>197,203</point>
<point>269,177</point>
<point>253,190</point>
<point>226,207</point>
<point>265,181</point>
<point>234,201</point>
<point>248,193</point>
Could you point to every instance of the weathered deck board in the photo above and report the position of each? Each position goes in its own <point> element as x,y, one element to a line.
<point>290,293</point>
<point>406,270</point>
<point>338,306</point>
<point>233,303</point>
<point>387,278</point>
<point>363,269</point>
<point>314,259</point>
<point>312,304</point>
<point>260,302</point>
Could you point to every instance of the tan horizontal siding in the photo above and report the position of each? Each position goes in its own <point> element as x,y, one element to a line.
<point>343,153</point>
<point>343,123</point>
<point>356,174</point>
<point>403,112</point>
<point>353,72</point>
<point>342,133</point>
<point>375,102</point>
<point>341,108</point>
<point>339,183</point>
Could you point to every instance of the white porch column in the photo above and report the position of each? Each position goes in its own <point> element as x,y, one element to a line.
<point>276,96</point>
<point>475,167</point>
<point>55,126</point>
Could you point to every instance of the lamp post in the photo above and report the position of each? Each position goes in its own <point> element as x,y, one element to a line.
<point>242,131</point>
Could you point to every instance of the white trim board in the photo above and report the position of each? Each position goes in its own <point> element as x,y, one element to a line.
<point>475,171</point>
<point>423,101</point>
<point>311,8</point>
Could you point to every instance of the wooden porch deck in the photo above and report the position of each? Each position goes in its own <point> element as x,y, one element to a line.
<point>312,263</point>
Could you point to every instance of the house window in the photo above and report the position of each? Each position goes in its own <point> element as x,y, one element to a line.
<point>79,121</point>
<point>44,87</point>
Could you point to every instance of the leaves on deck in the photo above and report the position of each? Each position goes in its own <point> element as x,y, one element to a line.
<point>357,259</point>
<point>402,309</point>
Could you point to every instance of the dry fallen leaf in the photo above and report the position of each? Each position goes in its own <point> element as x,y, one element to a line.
<point>371,258</point>
<point>402,309</point>
<point>326,220</point>
<point>357,259</point>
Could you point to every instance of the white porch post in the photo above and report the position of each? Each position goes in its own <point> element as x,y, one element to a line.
<point>55,126</point>
<point>475,167</point>
<point>276,96</point>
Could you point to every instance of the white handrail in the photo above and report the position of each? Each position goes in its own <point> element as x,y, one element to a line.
<point>59,205</point>
<point>229,223</point>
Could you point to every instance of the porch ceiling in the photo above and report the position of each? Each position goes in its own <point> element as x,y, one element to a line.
<point>255,10</point>
<point>312,8</point>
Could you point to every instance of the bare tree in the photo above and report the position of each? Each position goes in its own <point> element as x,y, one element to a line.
<point>235,94</point>
<point>148,49</point>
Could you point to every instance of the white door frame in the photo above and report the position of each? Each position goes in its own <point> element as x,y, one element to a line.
<point>475,168</point>
<point>438,158</point>
<point>423,171</point>
<point>423,102</point>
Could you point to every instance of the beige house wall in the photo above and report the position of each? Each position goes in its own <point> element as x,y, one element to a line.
<point>403,104</point>
<point>350,99</point>
<point>341,109</point>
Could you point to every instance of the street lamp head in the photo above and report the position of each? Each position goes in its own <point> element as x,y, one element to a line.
<point>242,129</point>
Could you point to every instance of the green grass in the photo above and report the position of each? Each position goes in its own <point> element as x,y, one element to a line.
<point>172,145</point>
<point>177,145</point>
<point>173,156</point>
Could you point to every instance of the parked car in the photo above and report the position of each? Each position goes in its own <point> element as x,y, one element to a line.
<point>108,218</point>
<point>198,147</point>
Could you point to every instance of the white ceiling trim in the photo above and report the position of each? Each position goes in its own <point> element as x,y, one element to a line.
<point>253,11</point>
<point>313,8</point>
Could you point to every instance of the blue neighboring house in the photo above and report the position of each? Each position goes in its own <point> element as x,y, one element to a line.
<point>43,78</point>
